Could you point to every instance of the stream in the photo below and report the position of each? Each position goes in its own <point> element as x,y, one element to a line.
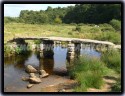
<point>56,66</point>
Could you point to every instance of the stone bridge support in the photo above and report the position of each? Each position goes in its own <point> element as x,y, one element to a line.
<point>73,50</point>
<point>46,55</point>
<point>77,49</point>
<point>46,48</point>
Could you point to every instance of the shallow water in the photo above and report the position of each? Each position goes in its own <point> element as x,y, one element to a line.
<point>14,67</point>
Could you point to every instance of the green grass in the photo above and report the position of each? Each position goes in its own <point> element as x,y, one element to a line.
<point>112,59</point>
<point>117,86</point>
<point>87,31</point>
<point>88,72</point>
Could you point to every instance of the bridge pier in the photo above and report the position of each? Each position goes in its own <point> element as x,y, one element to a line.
<point>47,48</point>
<point>41,49</point>
<point>73,50</point>
<point>77,49</point>
<point>46,52</point>
<point>47,64</point>
<point>70,51</point>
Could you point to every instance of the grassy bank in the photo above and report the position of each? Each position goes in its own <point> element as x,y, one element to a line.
<point>112,60</point>
<point>85,31</point>
<point>89,72</point>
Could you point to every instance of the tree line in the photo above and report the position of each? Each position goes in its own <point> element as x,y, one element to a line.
<point>80,13</point>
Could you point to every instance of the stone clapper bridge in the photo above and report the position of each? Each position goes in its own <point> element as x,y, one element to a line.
<point>74,44</point>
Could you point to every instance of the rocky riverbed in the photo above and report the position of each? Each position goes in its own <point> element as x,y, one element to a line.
<point>40,81</point>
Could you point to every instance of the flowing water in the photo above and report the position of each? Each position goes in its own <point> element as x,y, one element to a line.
<point>14,67</point>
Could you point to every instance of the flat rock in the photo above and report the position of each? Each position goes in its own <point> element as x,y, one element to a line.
<point>30,69</point>
<point>44,75</point>
<point>35,80</point>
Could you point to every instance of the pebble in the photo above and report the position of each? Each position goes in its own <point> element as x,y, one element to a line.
<point>29,85</point>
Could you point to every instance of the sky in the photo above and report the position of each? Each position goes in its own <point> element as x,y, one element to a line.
<point>13,10</point>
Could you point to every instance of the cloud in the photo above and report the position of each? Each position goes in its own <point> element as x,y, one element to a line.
<point>13,10</point>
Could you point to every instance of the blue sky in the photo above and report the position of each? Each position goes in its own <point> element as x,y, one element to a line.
<point>13,10</point>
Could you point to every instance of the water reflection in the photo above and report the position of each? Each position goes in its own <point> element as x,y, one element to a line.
<point>14,70</point>
<point>18,61</point>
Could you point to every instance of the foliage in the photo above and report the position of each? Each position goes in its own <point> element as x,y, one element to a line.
<point>90,13</point>
<point>80,13</point>
<point>116,24</point>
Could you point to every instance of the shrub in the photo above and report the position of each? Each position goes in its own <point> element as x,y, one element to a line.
<point>116,24</point>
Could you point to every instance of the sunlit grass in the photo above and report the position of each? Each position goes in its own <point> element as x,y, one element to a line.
<point>12,30</point>
<point>88,72</point>
<point>112,59</point>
